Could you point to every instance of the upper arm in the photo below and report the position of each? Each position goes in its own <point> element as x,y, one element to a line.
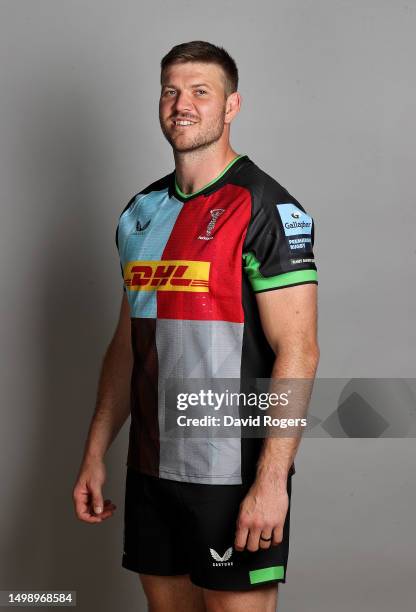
<point>123,328</point>
<point>280,265</point>
<point>289,317</point>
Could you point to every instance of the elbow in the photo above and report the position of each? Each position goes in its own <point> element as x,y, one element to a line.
<point>311,353</point>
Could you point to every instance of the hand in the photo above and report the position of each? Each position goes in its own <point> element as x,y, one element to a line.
<point>87,494</point>
<point>262,513</point>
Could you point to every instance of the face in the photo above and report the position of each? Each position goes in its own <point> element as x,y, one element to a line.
<point>194,92</point>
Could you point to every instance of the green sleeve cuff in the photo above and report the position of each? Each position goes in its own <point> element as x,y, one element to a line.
<point>286,279</point>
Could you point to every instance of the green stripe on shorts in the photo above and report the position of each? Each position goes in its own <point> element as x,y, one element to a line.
<point>268,573</point>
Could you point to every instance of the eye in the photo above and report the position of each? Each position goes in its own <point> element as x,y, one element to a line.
<point>169,91</point>
<point>201,90</point>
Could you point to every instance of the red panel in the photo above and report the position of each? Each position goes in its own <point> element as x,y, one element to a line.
<point>223,249</point>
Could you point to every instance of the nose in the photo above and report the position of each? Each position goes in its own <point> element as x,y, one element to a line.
<point>182,102</point>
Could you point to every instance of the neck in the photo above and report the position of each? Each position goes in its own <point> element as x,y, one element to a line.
<point>195,169</point>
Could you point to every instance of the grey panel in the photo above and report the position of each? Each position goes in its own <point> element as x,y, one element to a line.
<point>202,350</point>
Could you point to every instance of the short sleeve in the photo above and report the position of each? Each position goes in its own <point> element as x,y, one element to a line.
<point>121,265</point>
<point>127,206</point>
<point>278,248</point>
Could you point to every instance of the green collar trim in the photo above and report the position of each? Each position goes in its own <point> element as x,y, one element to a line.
<point>188,195</point>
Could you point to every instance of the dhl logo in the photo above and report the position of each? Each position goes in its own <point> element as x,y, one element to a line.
<point>167,275</point>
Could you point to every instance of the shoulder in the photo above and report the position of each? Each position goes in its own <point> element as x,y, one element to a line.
<point>159,185</point>
<point>266,191</point>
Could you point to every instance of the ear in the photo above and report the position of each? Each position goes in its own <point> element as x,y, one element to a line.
<point>232,106</point>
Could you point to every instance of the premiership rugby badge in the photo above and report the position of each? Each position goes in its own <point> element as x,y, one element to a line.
<point>298,223</point>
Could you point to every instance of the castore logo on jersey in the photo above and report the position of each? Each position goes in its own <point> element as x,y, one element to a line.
<point>140,227</point>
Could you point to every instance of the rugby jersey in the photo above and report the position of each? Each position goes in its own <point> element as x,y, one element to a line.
<point>191,266</point>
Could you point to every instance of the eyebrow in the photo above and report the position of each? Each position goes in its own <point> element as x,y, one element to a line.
<point>201,85</point>
<point>193,85</point>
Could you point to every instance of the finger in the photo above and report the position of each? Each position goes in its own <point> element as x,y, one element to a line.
<point>110,509</point>
<point>253,539</point>
<point>83,510</point>
<point>105,515</point>
<point>265,538</point>
<point>97,502</point>
<point>89,517</point>
<point>109,504</point>
<point>82,506</point>
<point>84,513</point>
<point>241,538</point>
<point>277,536</point>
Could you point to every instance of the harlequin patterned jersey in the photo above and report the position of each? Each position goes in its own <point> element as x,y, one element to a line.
<point>192,266</point>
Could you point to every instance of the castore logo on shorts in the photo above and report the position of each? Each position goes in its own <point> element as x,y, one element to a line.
<point>221,561</point>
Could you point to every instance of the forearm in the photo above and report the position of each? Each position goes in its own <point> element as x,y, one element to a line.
<point>278,453</point>
<point>113,399</point>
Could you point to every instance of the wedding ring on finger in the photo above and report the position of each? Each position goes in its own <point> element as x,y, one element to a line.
<point>263,539</point>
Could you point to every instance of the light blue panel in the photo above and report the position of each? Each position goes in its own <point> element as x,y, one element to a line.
<point>143,232</point>
<point>294,220</point>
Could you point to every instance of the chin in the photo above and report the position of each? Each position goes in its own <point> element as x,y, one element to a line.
<point>183,149</point>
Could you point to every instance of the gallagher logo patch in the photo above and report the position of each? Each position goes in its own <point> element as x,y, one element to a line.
<point>294,220</point>
<point>296,223</point>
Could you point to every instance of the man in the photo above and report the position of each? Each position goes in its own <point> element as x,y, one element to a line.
<point>219,282</point>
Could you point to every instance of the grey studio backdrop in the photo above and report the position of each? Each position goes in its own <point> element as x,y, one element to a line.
<point>328,110</point>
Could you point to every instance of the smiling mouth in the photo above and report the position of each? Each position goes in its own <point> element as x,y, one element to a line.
<point>183,123</point>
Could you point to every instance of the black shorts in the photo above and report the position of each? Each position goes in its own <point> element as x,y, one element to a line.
<point>175,528</point>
